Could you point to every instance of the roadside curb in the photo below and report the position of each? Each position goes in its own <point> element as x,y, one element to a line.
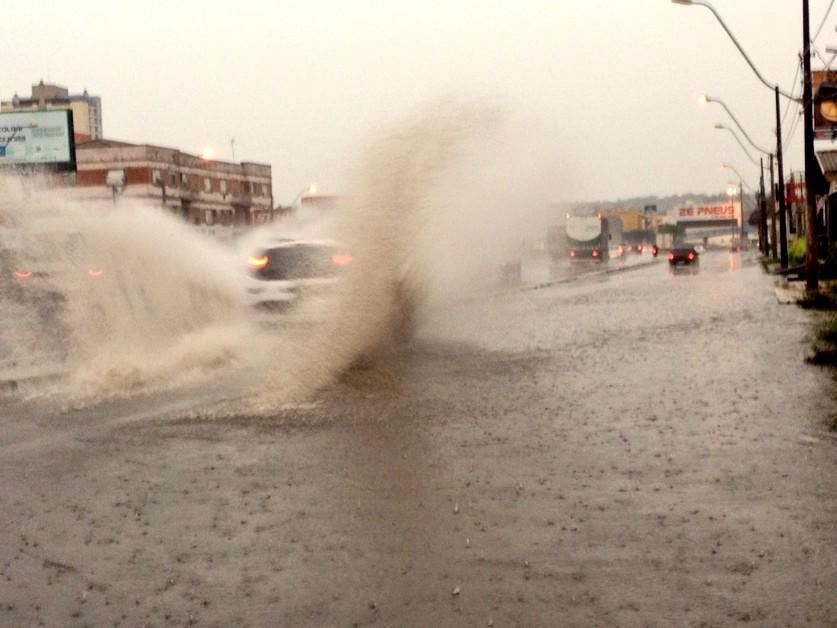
<point>595,273</point>
<point>11,383</point>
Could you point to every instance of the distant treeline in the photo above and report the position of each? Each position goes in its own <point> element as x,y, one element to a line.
<point>663,203</point>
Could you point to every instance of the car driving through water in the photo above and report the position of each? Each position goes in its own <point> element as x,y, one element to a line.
<point>683,254</point>
<point>284,274</point>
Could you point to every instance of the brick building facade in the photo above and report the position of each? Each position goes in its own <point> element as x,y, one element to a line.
<point>209,193</point>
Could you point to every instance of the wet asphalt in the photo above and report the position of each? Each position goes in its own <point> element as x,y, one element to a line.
<point>636,448</point>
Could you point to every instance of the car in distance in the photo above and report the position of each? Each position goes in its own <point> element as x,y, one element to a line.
<point>282,273</point>
<point>683,254</point>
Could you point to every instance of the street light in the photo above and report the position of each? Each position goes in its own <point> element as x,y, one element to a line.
<point>308,189</point>
<point>780,189</point>
<point>740,195</point>
<point>717,15</point>
<point>705,98</point>
<point>718,125</point>
<point>763,237</point>
<point>811,168</point>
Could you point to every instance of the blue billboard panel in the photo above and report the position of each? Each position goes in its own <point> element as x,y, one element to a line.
<point>37,138</point>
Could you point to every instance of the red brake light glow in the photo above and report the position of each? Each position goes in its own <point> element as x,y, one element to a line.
<point>671,256</point>
<point>257,262</point>
<point>691,256</point>
<point>95,272</point>
<point>572,253</point>
<point>595,253</point>
<point>341,259</point>
<point>23,274</point>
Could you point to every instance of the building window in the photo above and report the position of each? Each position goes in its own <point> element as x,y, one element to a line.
<point>223,186</point>
<point>207,185</point>
<point>173,179</point>
<point>184,180</point>
<point>155,177</point>
<point>252,188</point>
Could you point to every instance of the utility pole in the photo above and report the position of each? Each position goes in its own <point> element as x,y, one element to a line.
<point>773,248</point>
<point>742,236</point>
<point>783,233</point>
<point>762,212</point>
<point>811,258</point>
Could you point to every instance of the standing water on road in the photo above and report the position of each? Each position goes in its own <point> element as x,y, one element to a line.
<point>127,299</point>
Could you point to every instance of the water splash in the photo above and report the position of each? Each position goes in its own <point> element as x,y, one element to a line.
<point>164,311</point>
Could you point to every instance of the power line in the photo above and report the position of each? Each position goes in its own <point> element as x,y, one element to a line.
<point>824,18</point>
<point>793,83</point>
<point>794,127</point>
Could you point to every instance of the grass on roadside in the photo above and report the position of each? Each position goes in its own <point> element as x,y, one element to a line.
<point>825,344</point>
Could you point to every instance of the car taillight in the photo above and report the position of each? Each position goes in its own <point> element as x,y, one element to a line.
<point>95,272</point>
<point>23,274</point>
<point>595,253</point>
<point>341,259</point>
<point>639,248</point>
<point>630,248</point>
<point>671,257</point>
<point>257,262</point>
<point>691,256</point>
<point>572,253</point>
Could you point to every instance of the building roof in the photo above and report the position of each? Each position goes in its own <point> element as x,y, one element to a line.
<point>103,143</point>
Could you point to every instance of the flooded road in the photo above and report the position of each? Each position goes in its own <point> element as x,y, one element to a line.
<point>634,448</point>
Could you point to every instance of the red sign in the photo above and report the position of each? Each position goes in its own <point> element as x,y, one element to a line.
<point>795,191</point>
<point>720,211</point>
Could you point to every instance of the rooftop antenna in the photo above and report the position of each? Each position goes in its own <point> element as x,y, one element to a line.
<point>232,147</point>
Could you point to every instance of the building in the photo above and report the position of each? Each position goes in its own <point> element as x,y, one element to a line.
<point>632,219</point>
<point>87,109</point>
<point>217,195</point>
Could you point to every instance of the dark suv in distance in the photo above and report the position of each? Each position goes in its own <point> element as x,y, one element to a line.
<point>683,254</point>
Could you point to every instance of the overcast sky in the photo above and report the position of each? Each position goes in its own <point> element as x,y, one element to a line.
<point>601,96</point>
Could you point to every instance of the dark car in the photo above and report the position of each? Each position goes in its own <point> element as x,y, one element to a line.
<point>683,254</point>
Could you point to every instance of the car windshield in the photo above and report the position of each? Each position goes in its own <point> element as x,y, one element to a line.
<point>299,262</point>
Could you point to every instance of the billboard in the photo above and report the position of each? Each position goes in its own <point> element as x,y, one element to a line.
<point>824,88</point>
<point>713,213</point>
<point>37,139</point>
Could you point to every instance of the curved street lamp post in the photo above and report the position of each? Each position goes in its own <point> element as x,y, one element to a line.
<point>811,269</point>
<point>718,125</point>
<point>740,196</point>
<point>765,244</point>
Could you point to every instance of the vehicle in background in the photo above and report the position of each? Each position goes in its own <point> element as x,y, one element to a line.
<point>593,238</point>
<point>45,263</point>
<point>685,254</point>
<point>283,273</point>
<point>664,240</point>
<point>654,250</point>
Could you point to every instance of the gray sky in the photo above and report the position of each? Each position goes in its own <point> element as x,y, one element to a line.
<point>601,96</point>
